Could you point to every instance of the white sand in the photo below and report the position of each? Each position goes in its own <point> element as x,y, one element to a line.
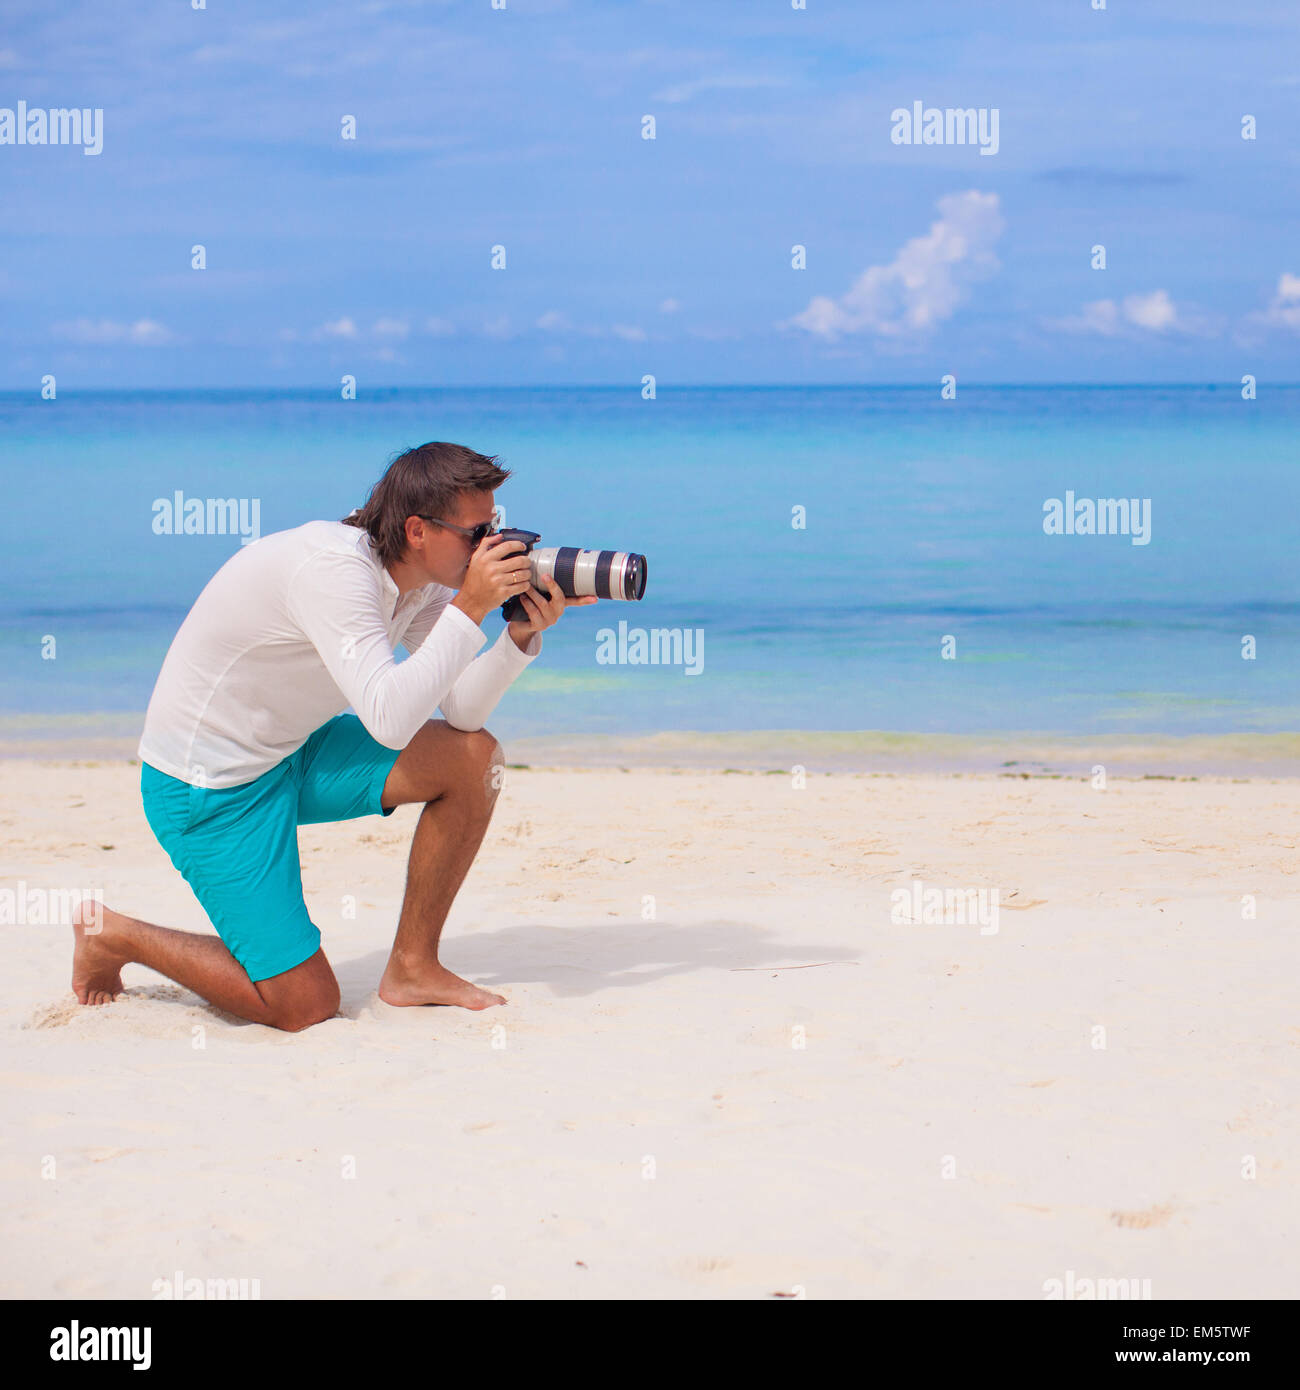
<point>524,1168</point>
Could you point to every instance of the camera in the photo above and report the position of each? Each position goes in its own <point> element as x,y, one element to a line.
<point>579,573</point>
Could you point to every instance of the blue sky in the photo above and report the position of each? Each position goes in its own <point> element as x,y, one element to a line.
<point>523,128</point>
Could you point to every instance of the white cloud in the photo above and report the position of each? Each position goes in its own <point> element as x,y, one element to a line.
<point>553,321</point>
<point>384,332</point>
<point>8,58</point>
<point>925,283</point>
<point>1284,308</point>
<point>1154,313</point>
<point>669,306</point>
<point>1101,316</point>
<point>102,332</point>
<point>344,329</point>
<point>498,327</point>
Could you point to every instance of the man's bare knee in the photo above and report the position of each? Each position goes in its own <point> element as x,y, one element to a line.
<point>306,995</point>
<point>486,760</point>
<point>296,1013</point>
<point>300,1023</point>
<point>483,746</point>
<point>442,759</point>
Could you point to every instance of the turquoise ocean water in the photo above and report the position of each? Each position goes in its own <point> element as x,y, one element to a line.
<point>924,520</point>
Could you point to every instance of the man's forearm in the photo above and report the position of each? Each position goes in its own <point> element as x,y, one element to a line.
<point>483,682</point>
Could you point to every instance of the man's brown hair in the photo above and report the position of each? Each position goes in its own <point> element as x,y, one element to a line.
<point>422,482</point>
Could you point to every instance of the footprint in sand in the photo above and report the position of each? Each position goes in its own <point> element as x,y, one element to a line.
<point>54,1015</point>
<point>696,1265</point>
<point>1141,1220</point>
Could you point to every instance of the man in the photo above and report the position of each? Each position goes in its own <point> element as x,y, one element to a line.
<point>245,738</point>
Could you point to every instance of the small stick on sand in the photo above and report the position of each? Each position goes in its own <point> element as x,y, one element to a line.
<point>774,968</point>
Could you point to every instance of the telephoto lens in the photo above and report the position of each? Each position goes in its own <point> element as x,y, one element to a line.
<point>616,574</point>
<point>581,573</point>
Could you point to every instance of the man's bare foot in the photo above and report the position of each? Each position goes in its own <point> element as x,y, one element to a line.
<point>403,985</point>
<point>97,953</point>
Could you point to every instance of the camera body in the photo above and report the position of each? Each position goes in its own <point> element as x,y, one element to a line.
<point>614,574</point>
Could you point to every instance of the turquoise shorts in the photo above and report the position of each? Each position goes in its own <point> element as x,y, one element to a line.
<point>237,847</point>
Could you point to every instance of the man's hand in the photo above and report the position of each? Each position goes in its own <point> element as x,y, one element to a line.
<point>542,612</point>
<point>498,569</point>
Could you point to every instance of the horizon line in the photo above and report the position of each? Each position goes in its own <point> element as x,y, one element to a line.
<point>331,391</point>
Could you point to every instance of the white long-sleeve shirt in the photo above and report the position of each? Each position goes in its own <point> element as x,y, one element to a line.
<point>292,630</point>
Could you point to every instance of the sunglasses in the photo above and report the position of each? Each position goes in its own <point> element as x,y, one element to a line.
<point>474,534</point>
